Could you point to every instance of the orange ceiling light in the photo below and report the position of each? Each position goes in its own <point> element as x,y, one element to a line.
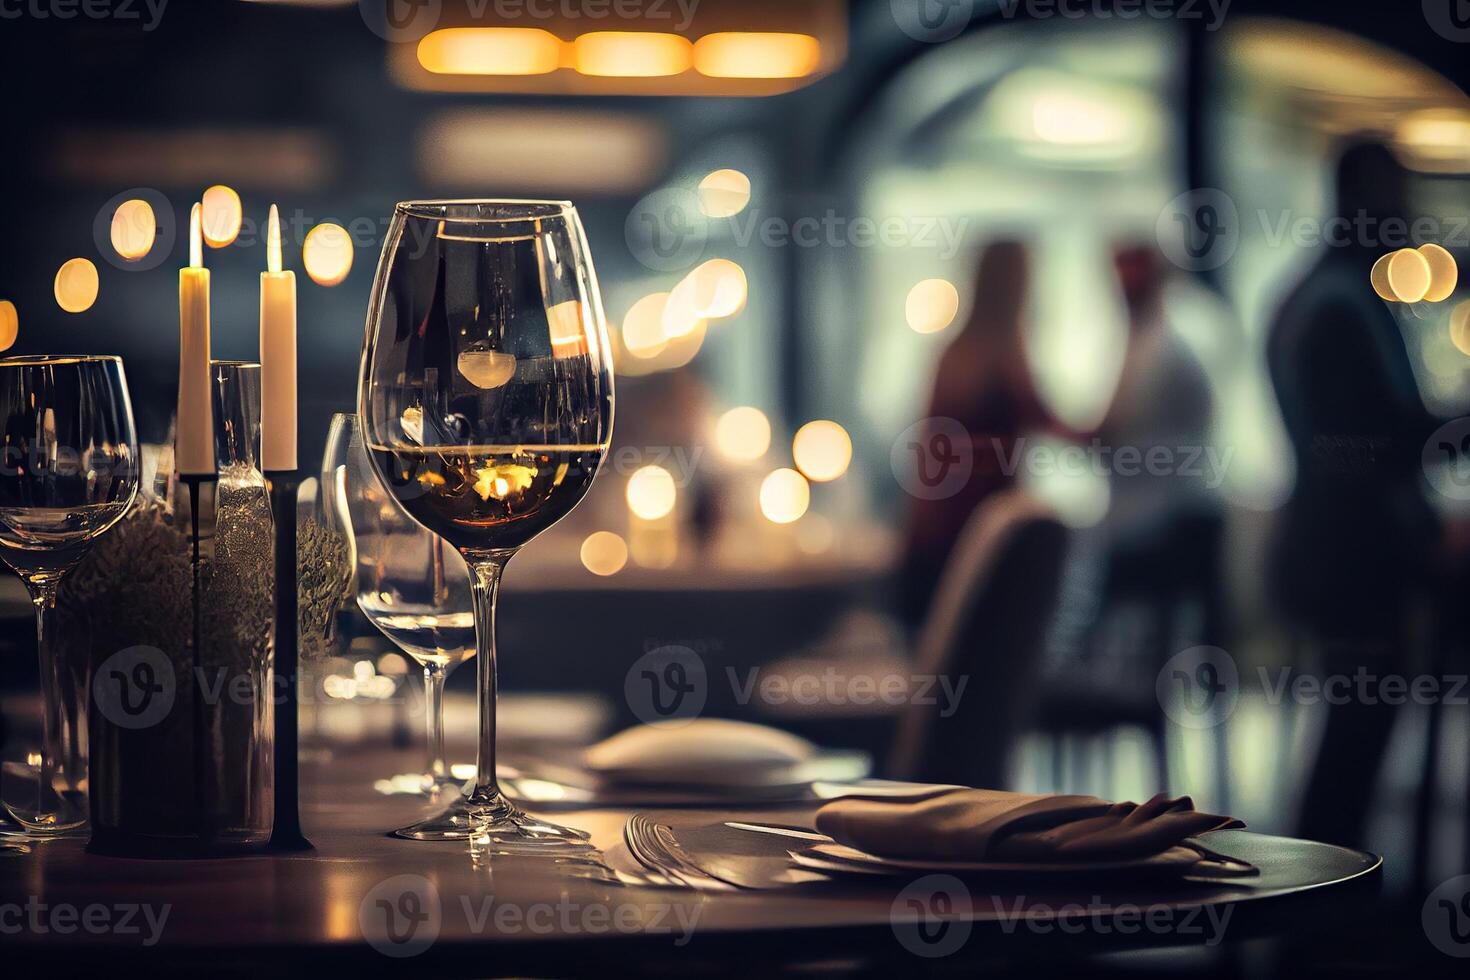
<point>741,54</point>
<point>490,51</point>
<point>631,54</point>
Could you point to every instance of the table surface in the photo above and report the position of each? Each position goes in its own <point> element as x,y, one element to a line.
<point>501,916</point>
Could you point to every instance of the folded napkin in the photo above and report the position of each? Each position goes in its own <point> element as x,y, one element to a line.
<point>991,825</point>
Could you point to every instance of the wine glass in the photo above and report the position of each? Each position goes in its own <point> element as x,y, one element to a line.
<point>410,583</point>
<point>486,400</point>
<point>69,472</point>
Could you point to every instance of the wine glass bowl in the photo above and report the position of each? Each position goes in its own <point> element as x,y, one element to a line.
<point>69,472</point>
<point>486,400</point>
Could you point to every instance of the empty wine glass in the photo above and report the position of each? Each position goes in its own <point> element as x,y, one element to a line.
<point>69,471</point>
<point>486,400</point>
<point>410,584</point>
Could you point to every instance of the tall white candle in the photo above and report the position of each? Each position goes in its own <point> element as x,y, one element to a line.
<point>277,356</point>
<point>194,427</point>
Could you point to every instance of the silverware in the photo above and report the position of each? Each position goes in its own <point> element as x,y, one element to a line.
<point>780,830</point>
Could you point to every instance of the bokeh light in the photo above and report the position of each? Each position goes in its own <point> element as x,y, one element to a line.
<point>745,54</point>
<point>604,553</point>
<point>785,496</point>
<point>76,285</point>
<point>724,193</point>
<point>490,51</point>
<point>222,216</point>
<point>327,254</point>
<point>1460,328</point>
<point>487,369</point>
<point>931,305</point>
<point>631,54</point>
<point>9,324</point>
<point>714,290</point>
<point>1379,278</point>
<point>743,434</point>
<point>1408,275</point>
<point>651,492</point>
<point>134,227</point>
<point>822,450</point>
<point>643,330</point>
<point>1444,274</point>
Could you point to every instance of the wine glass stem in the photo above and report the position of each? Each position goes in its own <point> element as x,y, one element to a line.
<point>434,722</point>
<point>486,568</point>
<point>54,738</point>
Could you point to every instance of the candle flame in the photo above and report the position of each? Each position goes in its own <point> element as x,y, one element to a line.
<point>196,237</point>
<point>273,243</point>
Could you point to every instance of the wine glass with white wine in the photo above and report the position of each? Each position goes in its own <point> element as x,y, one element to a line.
<point>486,400</point>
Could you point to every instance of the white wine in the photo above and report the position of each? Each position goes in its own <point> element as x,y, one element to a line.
<point>489,498</point>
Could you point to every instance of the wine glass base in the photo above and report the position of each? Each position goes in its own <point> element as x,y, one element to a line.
<point>495,822</point>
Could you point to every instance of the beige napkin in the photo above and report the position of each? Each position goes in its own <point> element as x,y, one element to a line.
<point>991,825</point>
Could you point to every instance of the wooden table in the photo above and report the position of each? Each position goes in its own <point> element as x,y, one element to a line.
<point>457,914</point>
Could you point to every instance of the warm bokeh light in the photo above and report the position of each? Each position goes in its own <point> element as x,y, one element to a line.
<point>1408,275</point>
<point>9,324</point>
<point>327,254</point>
<point>822,450</point>
<point>604,553</point>
<point>785,496</point>
<point>724,193</point>
<point>222,216</point>
<point>651,492</point>
<point>490,51</point>
<point>631,54</point>
<point>1379,278</point>
<point>76,285</point>
<point>486,369</point>
<point>743,434</point>
<point>714,290</point>
<point>564,324</point>
<point>134,227</point>
<point>1436,140</point>
<point>643,330</point>
<point>1444,274</point>
<point>1460,328</point>
<point>931,305</point>
<point>741,54</point>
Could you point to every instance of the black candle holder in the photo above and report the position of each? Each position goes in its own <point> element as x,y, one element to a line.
<point>286,834</point>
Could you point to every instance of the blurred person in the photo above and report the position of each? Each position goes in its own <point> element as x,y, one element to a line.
<point>1162,401</point>
<point>984,383</point>
<point>1354,541</point>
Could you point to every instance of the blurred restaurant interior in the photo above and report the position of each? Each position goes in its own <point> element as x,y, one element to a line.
<point>837,239</point>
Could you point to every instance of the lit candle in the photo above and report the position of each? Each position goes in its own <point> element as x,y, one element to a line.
<point>277,356</point>
<point>194,428</point>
